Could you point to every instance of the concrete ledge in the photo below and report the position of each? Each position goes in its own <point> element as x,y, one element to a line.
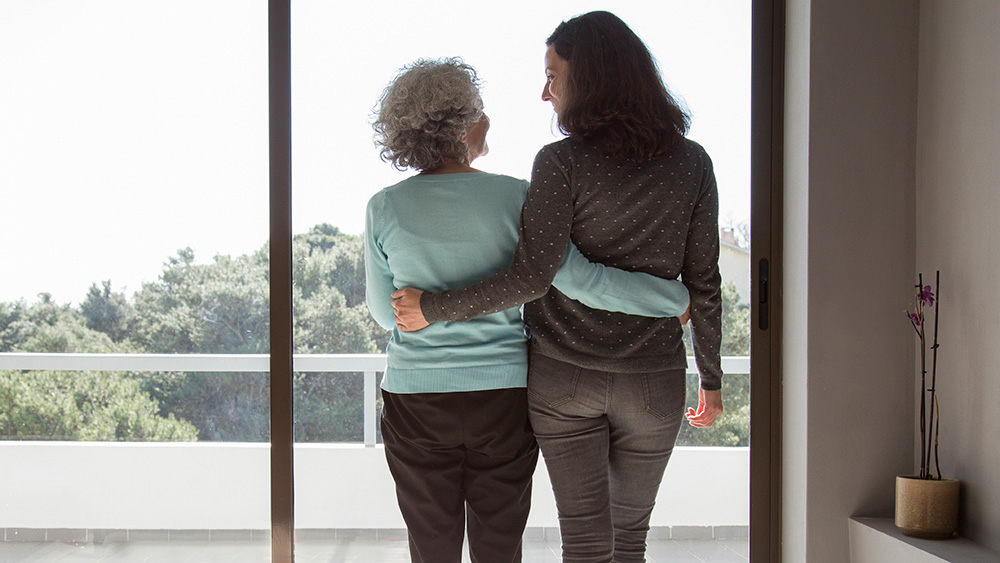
<point>877,540</point>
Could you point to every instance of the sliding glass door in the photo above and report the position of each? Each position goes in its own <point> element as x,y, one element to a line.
<point>134,415</point>
<point>342,57</point>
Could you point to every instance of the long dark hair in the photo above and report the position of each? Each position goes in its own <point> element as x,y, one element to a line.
<point>613,90</point>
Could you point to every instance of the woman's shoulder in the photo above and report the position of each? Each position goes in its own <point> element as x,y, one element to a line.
<point>379,200</point>
<point>415,186</point>
<point>560,154</point>
<point>500,178</point>
<point>391,188</point>
<point>693,150</point>
<point>565,146</point>
<point>514,187</point>
<point>491,181</point>
<point>685,154</point>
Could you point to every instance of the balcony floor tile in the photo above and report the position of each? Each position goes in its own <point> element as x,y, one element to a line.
<point>330,551</point>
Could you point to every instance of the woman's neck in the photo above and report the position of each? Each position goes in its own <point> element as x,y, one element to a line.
<point>451,166</point>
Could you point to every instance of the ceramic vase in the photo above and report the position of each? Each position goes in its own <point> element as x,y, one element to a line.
<point>927,508</point>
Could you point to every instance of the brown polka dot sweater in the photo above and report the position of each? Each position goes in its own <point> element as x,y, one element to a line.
<point>658,216</point>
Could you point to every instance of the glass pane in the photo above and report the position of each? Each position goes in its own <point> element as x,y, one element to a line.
<point>134,160</point>
<point>343,57</point>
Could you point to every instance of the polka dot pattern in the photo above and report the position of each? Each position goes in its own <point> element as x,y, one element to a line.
<point>659,216</point>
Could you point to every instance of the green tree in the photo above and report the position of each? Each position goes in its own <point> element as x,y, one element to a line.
<point>223,407</point>
<point>221,307</point>
<point>330,318</point>
<point>98,406</point>
<point>107,311</point>
<point>325,324</point>
<point>46,326</point>
<point>216,308</point>
<point>72,405</point>
<point>732,428</point>
<point>324,257</point>
<point>11,326</point>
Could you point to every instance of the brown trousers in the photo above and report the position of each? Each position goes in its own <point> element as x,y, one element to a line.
<point>461,459</point>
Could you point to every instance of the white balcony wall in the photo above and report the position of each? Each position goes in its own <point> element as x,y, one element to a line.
<point>222,486</point>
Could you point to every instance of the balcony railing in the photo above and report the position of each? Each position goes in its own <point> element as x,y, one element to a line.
<point>224,486</point>
<point>368,364</point>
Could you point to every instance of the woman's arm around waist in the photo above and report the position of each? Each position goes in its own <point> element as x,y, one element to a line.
<point>546,220</point>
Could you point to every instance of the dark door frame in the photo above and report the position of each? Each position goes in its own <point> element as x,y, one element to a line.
<point>766,114</point>
<point>280,241</point>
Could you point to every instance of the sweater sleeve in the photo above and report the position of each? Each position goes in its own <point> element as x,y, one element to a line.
<point>546,220</point>
<point>602,287</point>
<point>700,273</point>
<point>378,279</point>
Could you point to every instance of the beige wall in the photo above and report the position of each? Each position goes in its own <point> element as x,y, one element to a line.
<point>849,256</point>
<point>958,211</point>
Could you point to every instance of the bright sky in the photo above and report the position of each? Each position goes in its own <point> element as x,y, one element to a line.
<point>132,128</point>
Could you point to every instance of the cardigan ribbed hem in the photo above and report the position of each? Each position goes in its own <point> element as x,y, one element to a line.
<point>455,380</point>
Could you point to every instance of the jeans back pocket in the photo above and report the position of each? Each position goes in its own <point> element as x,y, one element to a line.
<point>551,381</point>
<point>664,393</point>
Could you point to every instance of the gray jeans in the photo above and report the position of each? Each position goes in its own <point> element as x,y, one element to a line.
<point>606,439</point>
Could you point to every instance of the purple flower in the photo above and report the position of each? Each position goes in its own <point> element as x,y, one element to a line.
<point>927,296</point>
<point>914,318</point>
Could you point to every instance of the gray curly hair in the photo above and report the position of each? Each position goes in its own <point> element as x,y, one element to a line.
<point>424,111</point>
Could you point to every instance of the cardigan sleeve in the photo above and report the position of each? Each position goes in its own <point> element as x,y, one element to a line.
<point>603,287</point>
<point>378,279</point>
<point>546,220</point>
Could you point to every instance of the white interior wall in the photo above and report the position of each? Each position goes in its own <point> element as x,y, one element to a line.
<point>849,255</point>
<point>795,281</point>
<point>957,206</point>
<point>886,175</point>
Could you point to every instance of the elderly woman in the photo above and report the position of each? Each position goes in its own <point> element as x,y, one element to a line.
<point>454,417</point>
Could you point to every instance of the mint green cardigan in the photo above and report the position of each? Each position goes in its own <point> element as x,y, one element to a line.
<point>447,231</point>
